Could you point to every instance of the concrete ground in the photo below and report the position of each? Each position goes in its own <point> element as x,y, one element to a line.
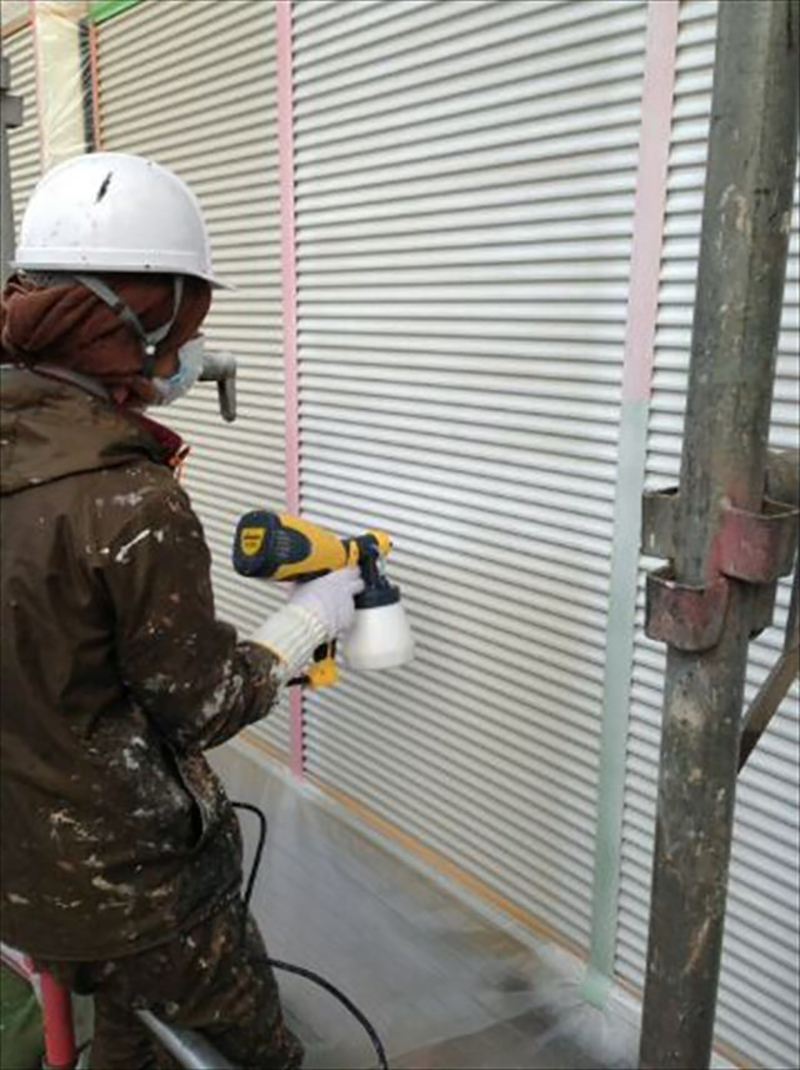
<point>444,987</point>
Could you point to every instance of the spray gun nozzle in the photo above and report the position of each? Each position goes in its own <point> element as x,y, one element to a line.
<point>221,369</point>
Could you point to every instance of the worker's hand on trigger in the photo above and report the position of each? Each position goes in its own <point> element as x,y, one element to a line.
<point>330,599</point>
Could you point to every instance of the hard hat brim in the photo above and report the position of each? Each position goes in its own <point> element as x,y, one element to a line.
<point>94,265</point>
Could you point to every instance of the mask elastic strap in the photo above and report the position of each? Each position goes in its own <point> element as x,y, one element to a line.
<point>149,339</point>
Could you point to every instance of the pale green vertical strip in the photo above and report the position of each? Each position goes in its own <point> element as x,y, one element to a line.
<point>648,226</point>
<point>616,697</point>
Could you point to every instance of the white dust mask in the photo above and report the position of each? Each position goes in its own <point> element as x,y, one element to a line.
<point>190,365</point>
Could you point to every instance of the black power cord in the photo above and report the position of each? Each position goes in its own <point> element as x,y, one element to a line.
<point>300,971</point>
<point>262,839</point>
<point>348,1004</point>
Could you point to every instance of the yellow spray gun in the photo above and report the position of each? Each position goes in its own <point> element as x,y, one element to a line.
<point>286,548</point>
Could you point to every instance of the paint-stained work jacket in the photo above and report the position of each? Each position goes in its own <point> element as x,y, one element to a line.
<point>115,677</point>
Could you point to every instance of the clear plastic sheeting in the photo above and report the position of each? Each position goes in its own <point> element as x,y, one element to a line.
<point>65,99</point>
<point>443,984</point>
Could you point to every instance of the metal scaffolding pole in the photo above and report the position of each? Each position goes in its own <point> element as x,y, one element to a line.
<point>726,549</point>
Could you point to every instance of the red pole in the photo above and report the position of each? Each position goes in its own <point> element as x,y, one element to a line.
<point>59,1029</point>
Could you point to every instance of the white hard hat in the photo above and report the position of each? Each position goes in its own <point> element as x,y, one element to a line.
<point>108,211</point>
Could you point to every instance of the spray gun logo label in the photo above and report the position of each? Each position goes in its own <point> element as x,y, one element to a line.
<point>251,540</point>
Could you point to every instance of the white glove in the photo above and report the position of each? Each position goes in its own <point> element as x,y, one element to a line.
<point>330,599</point>
<point>317,612</point>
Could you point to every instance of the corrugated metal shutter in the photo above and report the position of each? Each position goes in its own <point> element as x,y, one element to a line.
<point>194,87</point>
<point>465,177</point>
<point>758,1002</point>
<point>24,149</point>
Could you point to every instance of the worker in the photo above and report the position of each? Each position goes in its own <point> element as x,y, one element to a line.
<point>121,854</point>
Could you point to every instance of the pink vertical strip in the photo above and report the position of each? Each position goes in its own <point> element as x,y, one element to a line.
<point>283,14</point>
<point>37,64</point>
<point>94,75</point>
<point>651,197</point>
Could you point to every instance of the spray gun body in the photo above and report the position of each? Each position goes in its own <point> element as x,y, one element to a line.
<point>286,548</point>
<point>282,547</point>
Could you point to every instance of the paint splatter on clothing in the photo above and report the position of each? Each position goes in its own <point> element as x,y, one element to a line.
<point>213,978</point>
<point>116,676</point>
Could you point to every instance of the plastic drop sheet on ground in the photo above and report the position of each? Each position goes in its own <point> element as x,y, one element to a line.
<point>443,986</point>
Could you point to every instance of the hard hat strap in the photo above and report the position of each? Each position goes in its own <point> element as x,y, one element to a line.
<point>148,339</point>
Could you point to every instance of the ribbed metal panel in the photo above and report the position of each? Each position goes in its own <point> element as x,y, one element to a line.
<point>465,176</point>
<point>194,87</point>
<point>758,1004</point>
<point>26,163</point>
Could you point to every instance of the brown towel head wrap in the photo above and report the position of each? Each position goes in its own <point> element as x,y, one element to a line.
<point>67,326</point>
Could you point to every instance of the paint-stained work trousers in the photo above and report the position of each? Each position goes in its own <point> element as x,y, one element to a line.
<point>213,978</point>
